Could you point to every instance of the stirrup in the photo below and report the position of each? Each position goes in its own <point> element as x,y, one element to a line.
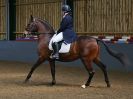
<point>54,56</point>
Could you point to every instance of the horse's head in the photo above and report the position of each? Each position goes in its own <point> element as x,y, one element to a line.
<point>31,26</point>
<point>37,25</point>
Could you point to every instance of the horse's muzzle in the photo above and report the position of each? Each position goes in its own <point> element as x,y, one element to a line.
<point>26,32</point>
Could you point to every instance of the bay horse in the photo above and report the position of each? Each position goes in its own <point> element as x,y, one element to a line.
<point>84,48</point>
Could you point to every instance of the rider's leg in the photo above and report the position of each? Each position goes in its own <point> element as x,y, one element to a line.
<point>55,54</point>
<point>57,39</point>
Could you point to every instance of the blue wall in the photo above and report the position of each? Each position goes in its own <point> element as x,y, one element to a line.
<point>27,52</point>
<point>18,51</point>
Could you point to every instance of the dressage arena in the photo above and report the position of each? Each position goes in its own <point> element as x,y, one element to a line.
<point>69,81</point>
<point>108,20</point>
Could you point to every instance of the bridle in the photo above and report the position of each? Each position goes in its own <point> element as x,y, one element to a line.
<point>28,33</point>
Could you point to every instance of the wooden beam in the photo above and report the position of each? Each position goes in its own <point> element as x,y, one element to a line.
<point>7,20</point>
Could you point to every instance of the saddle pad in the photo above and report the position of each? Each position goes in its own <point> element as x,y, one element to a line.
<point>65,48</point>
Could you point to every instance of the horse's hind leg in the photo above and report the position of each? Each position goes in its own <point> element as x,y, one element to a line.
<point>39,61</point>
<point>103,67</point>
<point>88,65</point>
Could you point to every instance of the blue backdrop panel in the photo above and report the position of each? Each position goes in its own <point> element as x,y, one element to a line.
<point>27,52</point>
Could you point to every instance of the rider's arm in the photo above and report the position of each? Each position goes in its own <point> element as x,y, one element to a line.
<point>63,25</point>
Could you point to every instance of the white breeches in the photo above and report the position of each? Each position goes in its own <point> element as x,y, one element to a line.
<point>58,37</point>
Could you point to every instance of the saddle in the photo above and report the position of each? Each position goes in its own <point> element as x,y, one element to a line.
<point>63,46</point>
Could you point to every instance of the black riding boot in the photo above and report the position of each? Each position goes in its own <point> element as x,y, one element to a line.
<point>56,51</point>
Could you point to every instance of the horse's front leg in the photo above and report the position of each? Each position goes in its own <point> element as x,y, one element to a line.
<point>52,66</point>
<point>38,62</point>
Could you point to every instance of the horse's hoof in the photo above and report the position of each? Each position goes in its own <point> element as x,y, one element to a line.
<point>108,85</point>
<point>83,86</point>
<point>26,81</point>
<point>53,83</point>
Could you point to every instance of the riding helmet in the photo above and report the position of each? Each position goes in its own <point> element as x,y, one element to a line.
<point>66,8</point>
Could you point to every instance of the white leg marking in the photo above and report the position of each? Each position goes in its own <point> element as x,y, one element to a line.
<point>83,86</point>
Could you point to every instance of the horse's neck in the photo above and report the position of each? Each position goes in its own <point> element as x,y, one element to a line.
<point>45,27</point>
<point>45,37</point>
<point>46,31</point>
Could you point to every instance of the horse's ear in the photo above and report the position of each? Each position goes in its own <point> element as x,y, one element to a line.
<point>31,18</point>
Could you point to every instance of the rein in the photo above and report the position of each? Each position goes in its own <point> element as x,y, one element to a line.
<point>37,33</point>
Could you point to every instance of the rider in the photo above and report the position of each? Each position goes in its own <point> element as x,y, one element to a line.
<point>65,32</point>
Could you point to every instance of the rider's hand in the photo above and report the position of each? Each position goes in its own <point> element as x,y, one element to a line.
<point>56,32</point>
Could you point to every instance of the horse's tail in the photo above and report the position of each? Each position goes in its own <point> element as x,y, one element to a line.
<point>120,56</point>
